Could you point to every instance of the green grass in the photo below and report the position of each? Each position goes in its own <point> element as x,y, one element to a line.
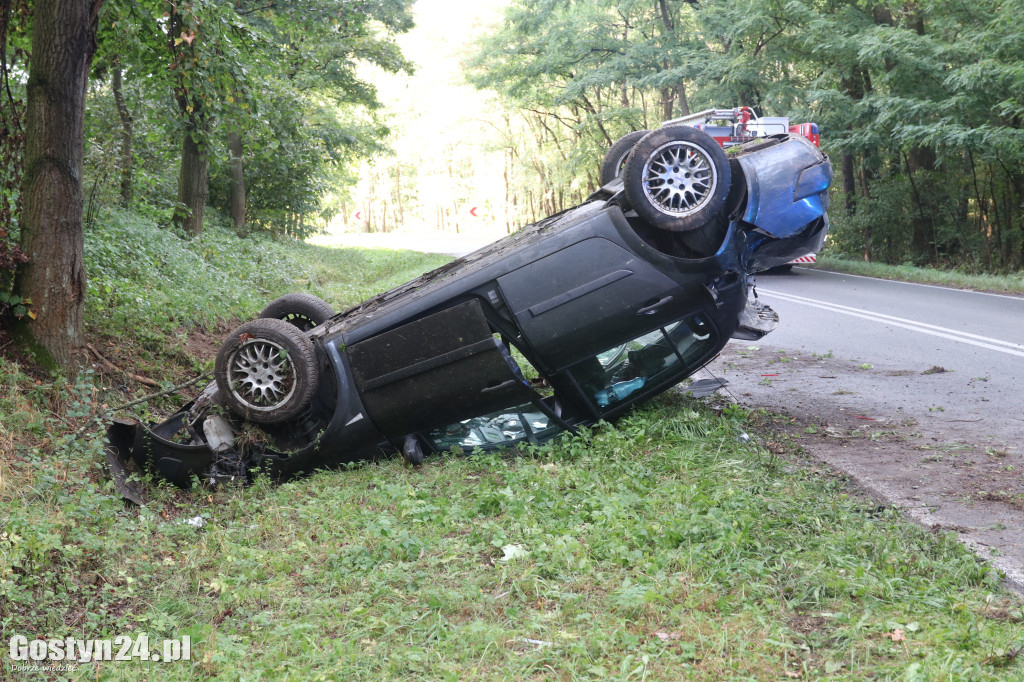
<point>148,281</point>
<point>1013,283</point>
<point>661,548</point>
<point>664,524</point>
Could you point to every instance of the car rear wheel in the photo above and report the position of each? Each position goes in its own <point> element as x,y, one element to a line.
<point>677,178</point>
<point>266,371</point>
<point>615,157</point>
<point>304,311</point>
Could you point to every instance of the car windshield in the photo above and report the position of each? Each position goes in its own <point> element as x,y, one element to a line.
<point>610,377</point>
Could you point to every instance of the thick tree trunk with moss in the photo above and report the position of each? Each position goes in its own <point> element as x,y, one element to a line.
<point>193,180</point>
<point>236,189</point>
<point>63,44</point>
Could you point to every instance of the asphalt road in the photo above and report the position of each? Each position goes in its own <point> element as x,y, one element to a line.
<point>904,330</point>
<point>917,391</point>
<point>899,323</point>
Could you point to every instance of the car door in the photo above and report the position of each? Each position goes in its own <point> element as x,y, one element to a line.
<point>588,297</point>
<point>435,371</point>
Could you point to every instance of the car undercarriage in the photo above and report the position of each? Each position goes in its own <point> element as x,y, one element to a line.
<point>568,321</point>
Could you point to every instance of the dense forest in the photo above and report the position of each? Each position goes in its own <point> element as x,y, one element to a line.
<point>260,114</point>
<point>165,108</point>
<point>919,104</point>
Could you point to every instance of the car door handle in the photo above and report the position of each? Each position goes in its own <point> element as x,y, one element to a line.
<point>653,308</point>
<point>503,385</point>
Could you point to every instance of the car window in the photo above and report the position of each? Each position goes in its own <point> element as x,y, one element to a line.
<point>523,368</point>
<point>612,376</point>
<point>503,427</point>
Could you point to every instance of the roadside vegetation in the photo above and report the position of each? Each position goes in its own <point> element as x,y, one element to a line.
<point>666,546</point>
<point>662,547</point>
<point>1011,283</point>
<point>921,124</point>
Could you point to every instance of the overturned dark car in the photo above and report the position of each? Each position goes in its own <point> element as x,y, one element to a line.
<point>570,320</point>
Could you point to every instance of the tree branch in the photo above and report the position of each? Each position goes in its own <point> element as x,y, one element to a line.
<point>242,13</point>
<point>111,366</point>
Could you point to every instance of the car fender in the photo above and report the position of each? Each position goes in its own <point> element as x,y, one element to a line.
<point>782,203</point>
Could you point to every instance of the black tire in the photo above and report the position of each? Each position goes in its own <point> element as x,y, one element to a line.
<point>304,311</point>
<point>615,157</point>
<point>677,178</point>
<point>266,371</point>
<point>412,451</point>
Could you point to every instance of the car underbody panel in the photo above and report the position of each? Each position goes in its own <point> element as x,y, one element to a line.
<point>570,320</point>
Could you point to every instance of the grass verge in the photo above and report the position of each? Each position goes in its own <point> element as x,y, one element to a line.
<point>160,303</point>
<point>661,548</point>
<point>1011,284</point>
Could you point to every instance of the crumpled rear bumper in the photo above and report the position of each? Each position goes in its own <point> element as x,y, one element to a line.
<point>134,445</point>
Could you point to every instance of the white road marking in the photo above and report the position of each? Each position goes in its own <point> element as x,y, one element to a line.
<point>942,332</point>
<point>1019,299</point>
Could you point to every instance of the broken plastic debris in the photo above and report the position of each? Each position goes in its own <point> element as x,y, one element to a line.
<point>538,642</point>
<point>704,387</point>
<point>513,552</point>
<point>219,434</point>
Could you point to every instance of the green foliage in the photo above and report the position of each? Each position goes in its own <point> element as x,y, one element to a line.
<point>15,305</point>
<point>579,75</point>
<point>909,273</point>
<point>918,102</point>
<point>152,279</point>
<point>14,46</point>
<point>661,547</point>
<point>283,75</point>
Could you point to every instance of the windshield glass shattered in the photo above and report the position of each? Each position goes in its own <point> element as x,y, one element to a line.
<point>612,376</point>
<point>497,428</point>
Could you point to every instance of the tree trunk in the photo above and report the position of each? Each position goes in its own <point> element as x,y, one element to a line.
<point>63,44</point>
<point>193,183</point>
<point>236,190</point>
<point>684,105</point>
<point>920,159</point>
<point>849,184</point>
<point>127,157</point>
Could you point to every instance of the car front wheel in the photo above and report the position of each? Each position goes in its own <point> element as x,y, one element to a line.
<point>266,371</point>
<point>615,157</point>
<point>677,178</point>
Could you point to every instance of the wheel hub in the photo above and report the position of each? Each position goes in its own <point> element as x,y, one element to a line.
<point>261,375</point>
<point>679,178</point>
<point>301,321</point>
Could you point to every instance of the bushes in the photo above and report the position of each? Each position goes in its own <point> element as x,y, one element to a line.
<point>149,280</point>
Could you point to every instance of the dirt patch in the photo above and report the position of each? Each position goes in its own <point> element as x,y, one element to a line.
<point>202,343</point>
<point>806,624</point>
<point>949,466</point>
<point>174,358</point>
